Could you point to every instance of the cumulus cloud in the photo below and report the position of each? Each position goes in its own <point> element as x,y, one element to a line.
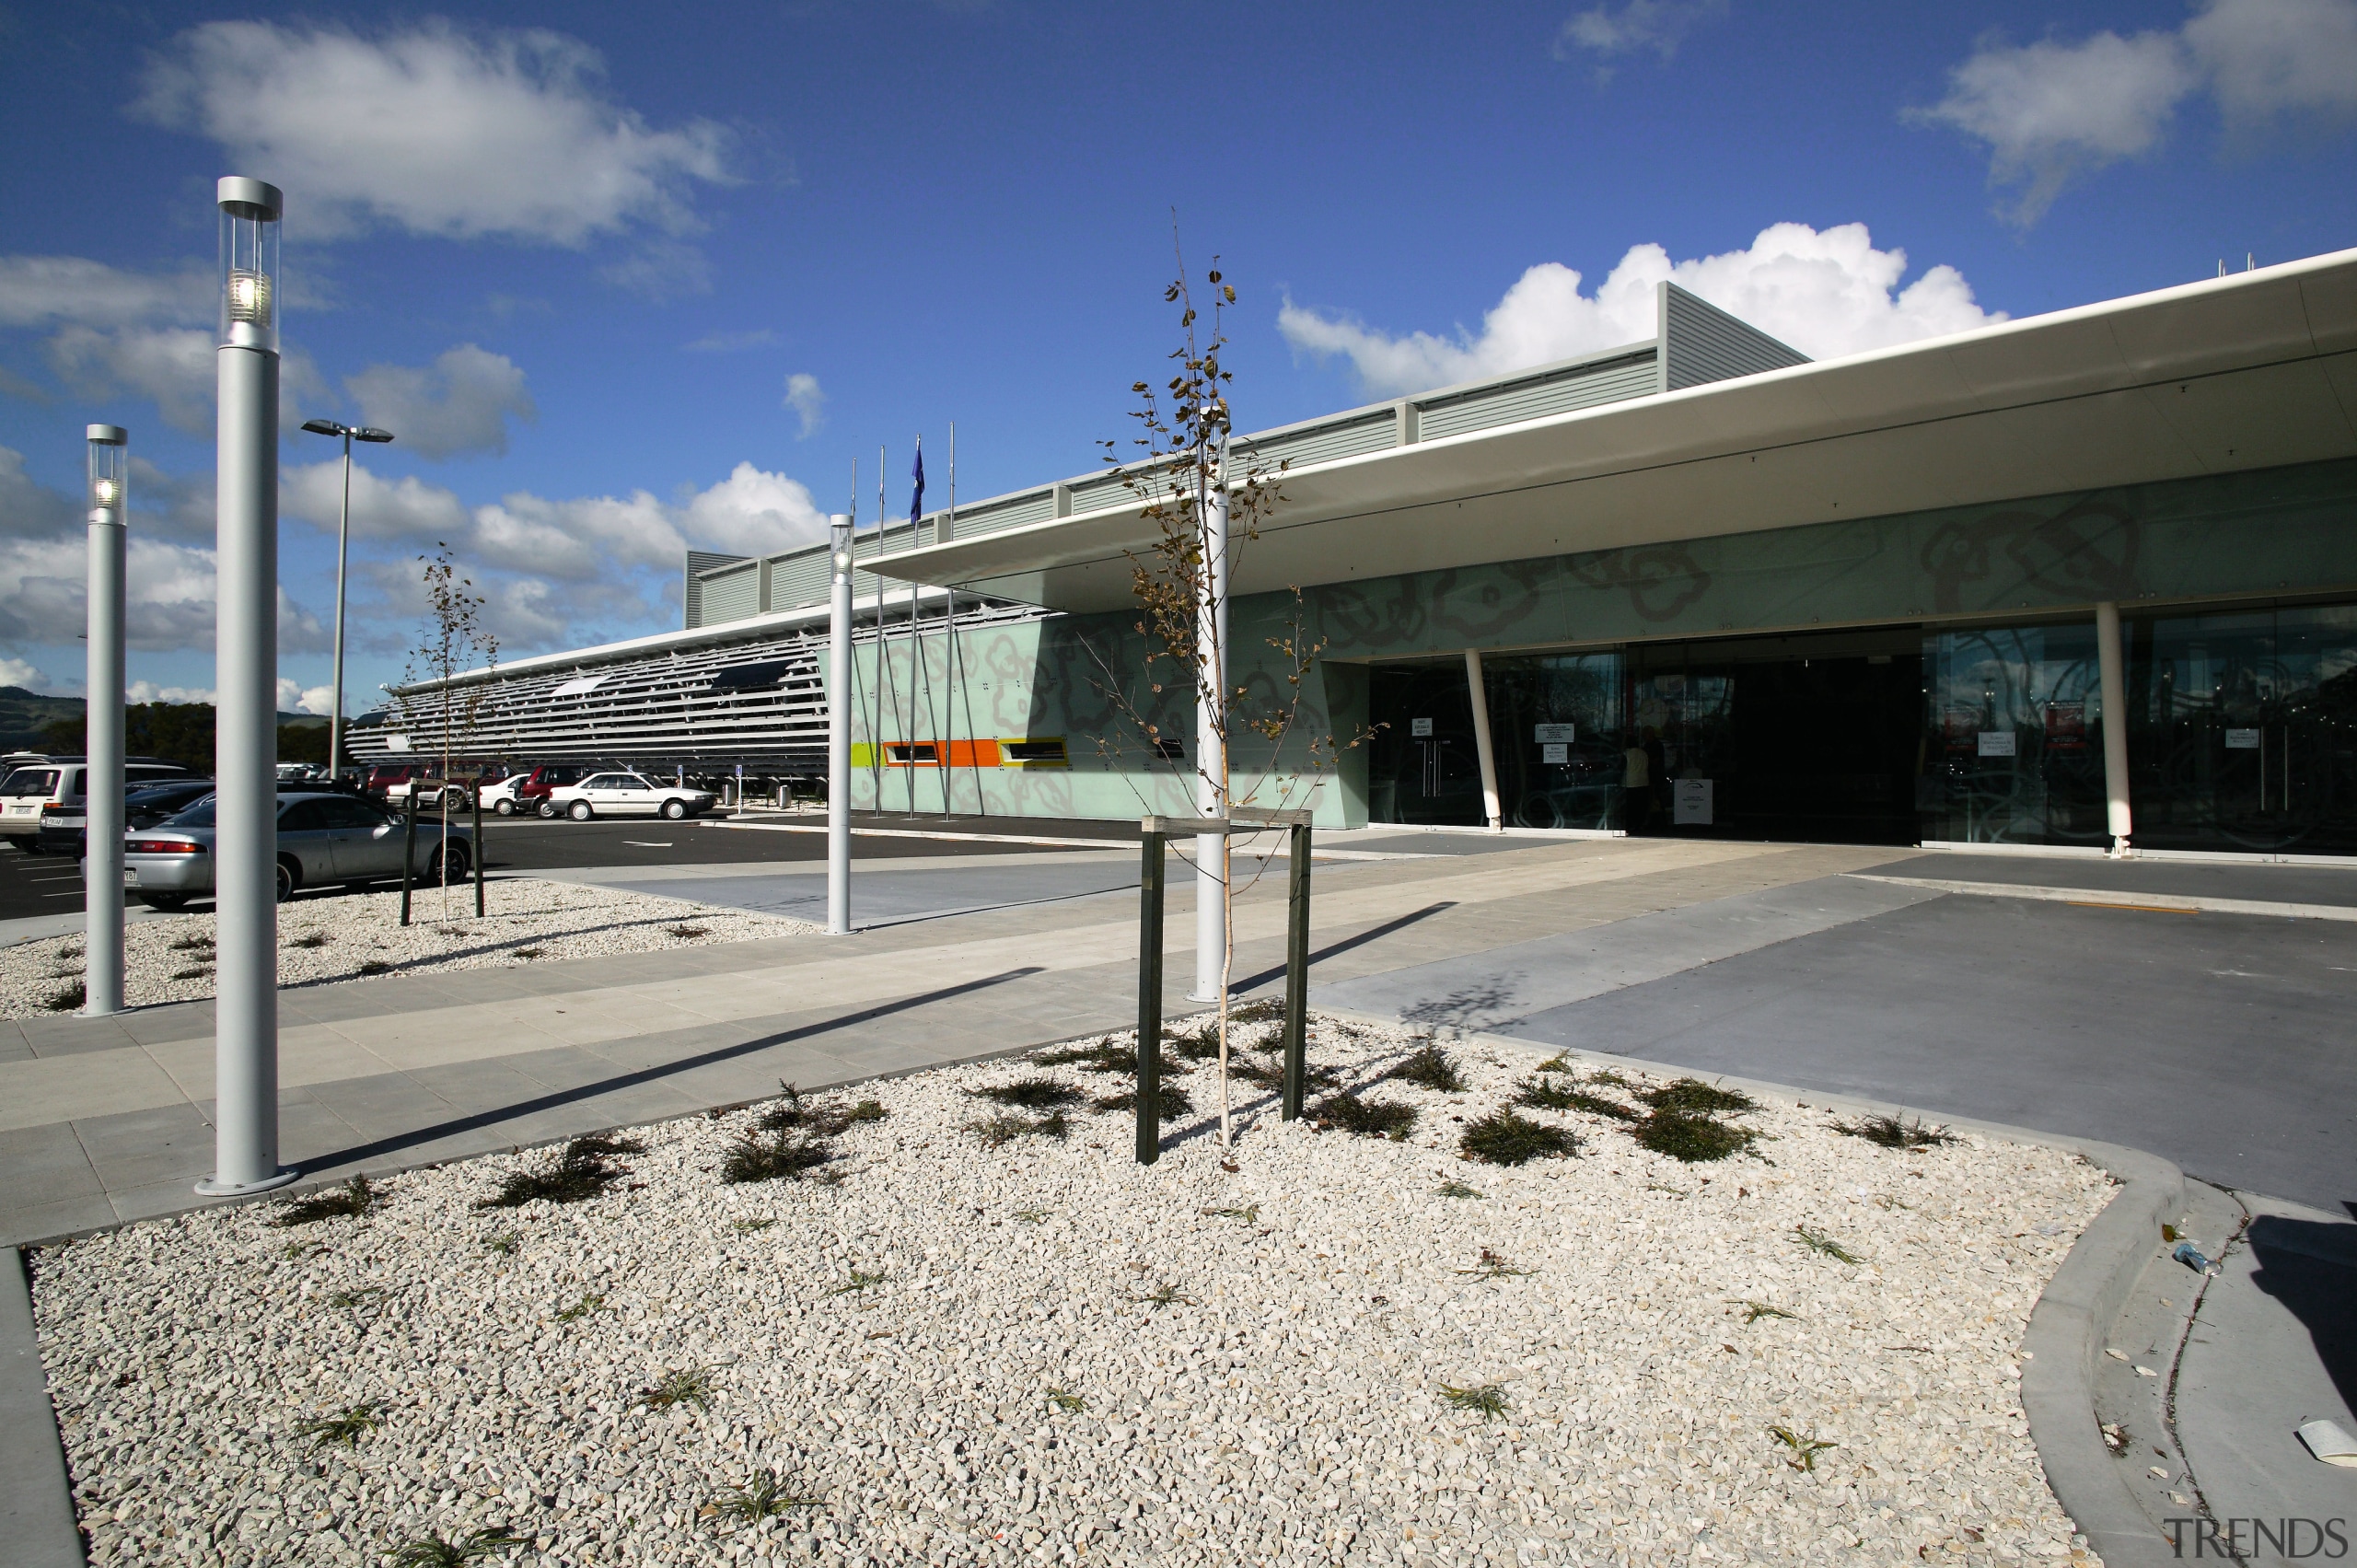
<point>1608,33</point>
<point>148,691</point>
<point>173,366</point>
<point>434,130</point>
<point>293,697</point>
<point>1826,293</point>
<point>809,403</point>
<point>49,291</point>
<point>17,672</point>
<point>459,403</point>
<point>2054,112</point>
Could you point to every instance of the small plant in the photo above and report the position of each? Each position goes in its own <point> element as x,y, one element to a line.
<point>1099,1059</point>
<point>1249,1215</point>
<point>1692,1097</point>
<point>189,942</point>
<point>1000,1131</point>
<point>1197,1045</point>
<point>1817,1242</point>
<point>1503,1138</point>
<point>1071,1404</point>
<point>1366,1118</point>
<point>1694,1139</point>
<point>1030,1094</point>
<point>1165,1295</point>
<point>1431,1068</point>
<point>375,965</point>
<point>366,1295</point>
<point>779,1158</point>
<point>1610,1076</point>
<point>866,1110</point>
<point>505,1243</point>
<point>690,1387</point>
<point>687,933</point>
<point>430,1550</point>
<point>1031,1217</point>
<point>197,972</point>
<point>1270,1074</point>
<point>296,1252</point>
<point>784,1112</point>
<point>580,1309</point>
<point>1454,1189</point>
<point>861,1280</point>
<point>1488,1400</point>
<point>1492,1266</point>
<point>354,1199</point>
<point>762,1497</point>
<point>583,1170</point>
<point>1893,1133</point>
<point>1558,1063</point>
<point>748,1228</point>
<point>1804,1450</point>
<point>344,1428</point>
<point>1170,1102</point>
<point>1260,1010</point>
<point>528,952</point>
<point>1546,1094</point>
<point>1754,1310</point>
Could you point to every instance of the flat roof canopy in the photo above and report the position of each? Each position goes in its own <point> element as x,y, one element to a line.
<point>2254,370</point>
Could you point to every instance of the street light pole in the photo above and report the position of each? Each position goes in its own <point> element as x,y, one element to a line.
<point>102,822</point>
<point>245,859</point>
<point>343,543</point>
<point>839,725</point>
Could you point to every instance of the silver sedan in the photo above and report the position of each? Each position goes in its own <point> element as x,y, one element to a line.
<point>321,839</point>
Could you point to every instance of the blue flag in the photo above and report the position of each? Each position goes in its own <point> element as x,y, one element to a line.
<point>916,497</point>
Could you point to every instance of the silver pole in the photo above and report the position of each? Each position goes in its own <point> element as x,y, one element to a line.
<point>1482,750</point>
<point>102,785</point>
<point>839,700</point>
<point>342,540</point>
<point>245,855</point>
<point>2112,683</point>
<point>1211,746</point>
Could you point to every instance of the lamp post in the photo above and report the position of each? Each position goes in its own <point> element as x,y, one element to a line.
<point>839,725</point>
<point>350,433</point>
<point>103,825</point>
<point>245,859</point>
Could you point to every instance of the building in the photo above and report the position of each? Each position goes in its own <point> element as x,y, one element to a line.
<point>1696,584</point>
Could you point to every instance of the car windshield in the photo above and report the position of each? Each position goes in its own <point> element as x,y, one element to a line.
<point>29,781</point>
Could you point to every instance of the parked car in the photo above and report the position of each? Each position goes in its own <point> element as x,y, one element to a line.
<point>66,832</point>
<point>384,775</point>
<point>151,804</point>
<point>38,793</point>
<point>322,839</point>
<point>618,794</point>
<point>527,789</point>
<point>431,786</point>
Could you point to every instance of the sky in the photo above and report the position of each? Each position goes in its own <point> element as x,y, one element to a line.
<point>627,279</point>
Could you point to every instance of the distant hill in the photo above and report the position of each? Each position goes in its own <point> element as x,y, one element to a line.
<point>24,714</point>
<point>180,731</point>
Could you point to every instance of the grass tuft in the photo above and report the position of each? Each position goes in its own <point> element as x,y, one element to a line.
<point>528,952</point>
<point>1099,1059</point>
<point>866,1110</point>
<point>1071,1404</point>
<point>778,1158</point>
<point>1754,1310</point>
<point>1817,1242</point>
<point>1170,1102</point>
<point>1692,1097</point>
<point>1031,1216</point>
<point>195,972</point>
<point>344,1428</point>
<point>860,1281</point>
<point>1431,1068</point>
<point>1492,1267</point>
<point>1366,1118</point>
<point>505,1243</point>
<point>1165,1296</point>
<point>748,1228</point>
<point>376,966</point>
<point>1804,1450</point>
<point>1503,1138</point>
<point>310,940</point>
<point>580,1309</point>
<point>189,942</point>
<point>1030,1094</point>
<point>763,1497</point>
<point>1000,1131</point>
<point>1488,1400</point>
<point>686,933</point>
<point>353,1199</point>
<point>1546,1094</point>
<point>1200,1045</point>
<point>1694,1138</point>
<point>690,1386</point>
<point>430,1550</point>
<point>583,1170</point>
<point>1454,1189</point>
<point>1893,1133</point>
<point>1270,1074</point>
<point>1250,1215</point>
<point>365,1295</point>
<point>73,998</point>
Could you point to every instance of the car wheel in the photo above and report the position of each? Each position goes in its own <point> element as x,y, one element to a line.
<point>580,811</point>
<point>458,854</point>
<point>286,881</point>
<point>169,903</point>
<point>504,807</point>
<point>548,808</point>
<point>675,809</point>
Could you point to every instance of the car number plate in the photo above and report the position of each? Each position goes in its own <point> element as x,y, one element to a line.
<point>131,876</point>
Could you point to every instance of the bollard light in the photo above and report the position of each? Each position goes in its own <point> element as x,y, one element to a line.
<point>109,461</point>
<point>249,211</point>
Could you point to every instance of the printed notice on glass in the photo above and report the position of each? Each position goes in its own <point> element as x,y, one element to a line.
<point>1997,743</point>
<point>1690,803</point>
<point>1554,734</point>
<point>1554,752</point>
<point>2242,740</point>
<point>1419,728</point>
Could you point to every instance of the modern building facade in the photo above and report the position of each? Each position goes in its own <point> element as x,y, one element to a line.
<point>1699,586</point>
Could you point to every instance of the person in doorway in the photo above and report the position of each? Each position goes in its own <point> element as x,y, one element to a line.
<point>1636,789</point>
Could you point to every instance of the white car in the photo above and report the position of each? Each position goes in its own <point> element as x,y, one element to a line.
<point>628,794</point>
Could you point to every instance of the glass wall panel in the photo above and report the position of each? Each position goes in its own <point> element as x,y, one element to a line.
<point>1555,728</point>
<point>1422,764</point>
<point>2014,748</point>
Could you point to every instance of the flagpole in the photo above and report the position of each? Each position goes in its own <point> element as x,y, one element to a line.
<point>883,642</point>
<point>958,690</point>
<point>916,650</point>
<point>855,688</point>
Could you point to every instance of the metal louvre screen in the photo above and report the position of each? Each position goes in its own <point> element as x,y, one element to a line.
<point>1536,397</point>
<point>1374,432</point>
<point>1704,343</point>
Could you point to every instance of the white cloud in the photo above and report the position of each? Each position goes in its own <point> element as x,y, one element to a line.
<point>461,404</point>
<point>173,366</point>
<point>2054,112</point>
<point>1657,25</point>
<point>1826,293</point>
<point>29,509</point>
<point>168,505</point>
<point>293,697</point>
<point>809,403</point>
<point>148,691</point>
<point>432,129</point>
<point>46,291</point>
<point>17,672</point>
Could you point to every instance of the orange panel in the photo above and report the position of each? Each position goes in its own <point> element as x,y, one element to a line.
<point>974,753</point>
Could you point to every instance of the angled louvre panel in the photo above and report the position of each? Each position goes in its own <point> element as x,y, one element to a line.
<point>1703,343</point>
<point>798,578</point>
<point>1374,432</point>
<point>1005,512</point>
<point>731,594</point>
<point>1102,494</point>
<point>1536,397</point>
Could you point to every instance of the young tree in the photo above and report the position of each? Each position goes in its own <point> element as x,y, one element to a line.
<point>452,639</point>
<point>1205,515</point>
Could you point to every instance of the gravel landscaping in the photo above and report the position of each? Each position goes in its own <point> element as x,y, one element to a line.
<point>356,935</point>
<point>957,1324</point>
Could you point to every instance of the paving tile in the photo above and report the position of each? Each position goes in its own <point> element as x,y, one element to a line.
<point>70,1034</point>
<point>62,1217</point>
<point>138,1147</point>
<point>45,1165</point>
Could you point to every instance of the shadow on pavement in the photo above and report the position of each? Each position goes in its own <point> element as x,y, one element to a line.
<point>1252,981</point>
<point>2311,1269</point>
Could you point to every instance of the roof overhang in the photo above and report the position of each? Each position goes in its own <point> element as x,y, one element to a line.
<point>2254,370</point>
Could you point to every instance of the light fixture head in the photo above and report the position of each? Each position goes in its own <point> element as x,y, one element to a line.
<point>249,211</point>
<point>370,433</point>
<point>324,427</point>
<point>109,461</point>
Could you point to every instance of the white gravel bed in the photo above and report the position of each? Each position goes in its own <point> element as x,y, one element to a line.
<point>356,935</point>
<point>948,1353</point>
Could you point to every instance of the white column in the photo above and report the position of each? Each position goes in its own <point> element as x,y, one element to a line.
<point>838,690</point>
<point>1211,749</point>
<point>103,786</point>
<point>2113,681</point>
<point>1481,741</point>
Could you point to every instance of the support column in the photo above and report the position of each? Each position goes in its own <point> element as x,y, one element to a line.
<point>1481,747</point>
<point>1211,749</point>
<point>2113,683</point>
<point>103,786</point>
<point>839,700</point>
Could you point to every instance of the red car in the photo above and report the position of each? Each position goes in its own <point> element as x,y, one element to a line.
<point>384,775</point>
<point>526,790</point>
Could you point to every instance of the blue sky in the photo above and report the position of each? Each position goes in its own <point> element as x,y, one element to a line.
<point>625,278</point>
